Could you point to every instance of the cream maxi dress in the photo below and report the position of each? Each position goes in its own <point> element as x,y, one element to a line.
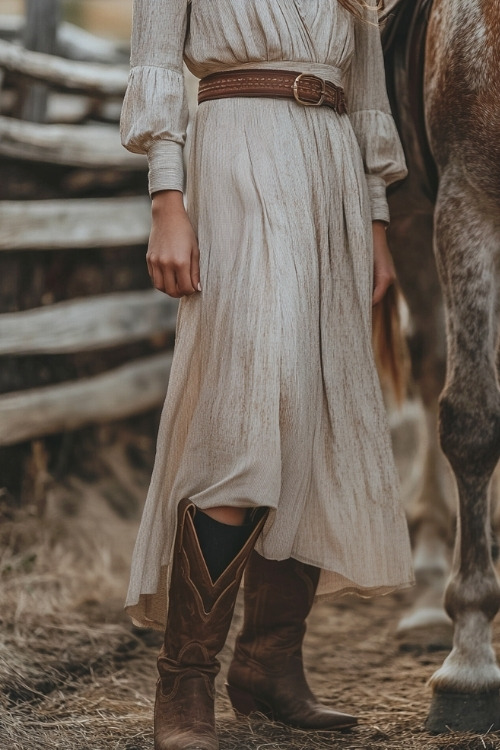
<point>273,396</point>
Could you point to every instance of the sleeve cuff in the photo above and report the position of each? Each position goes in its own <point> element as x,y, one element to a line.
<point>378,199</point>
<point>166,166</point>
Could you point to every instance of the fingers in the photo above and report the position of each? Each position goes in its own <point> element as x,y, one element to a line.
<point>384,273</point>
<point>156,274</point>
<point>382,283</point>
<point>177,277</point>
<point>183,281</point>
<point>195,269</point>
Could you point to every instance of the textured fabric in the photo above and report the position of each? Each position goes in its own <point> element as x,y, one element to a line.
<point>273,397</point>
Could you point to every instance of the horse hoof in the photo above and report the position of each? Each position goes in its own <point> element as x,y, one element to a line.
<point>464,712</point>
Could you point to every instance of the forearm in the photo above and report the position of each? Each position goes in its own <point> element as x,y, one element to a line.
<point>383,266</point>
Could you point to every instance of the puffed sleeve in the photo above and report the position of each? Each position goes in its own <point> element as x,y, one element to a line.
<point>370,113</point>
<point>155,114</point>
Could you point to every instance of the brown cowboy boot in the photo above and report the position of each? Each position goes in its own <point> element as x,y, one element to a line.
<point>267,673</point>
<point>198,621</point>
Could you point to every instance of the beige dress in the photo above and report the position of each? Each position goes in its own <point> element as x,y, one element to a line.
<point>273,396</point>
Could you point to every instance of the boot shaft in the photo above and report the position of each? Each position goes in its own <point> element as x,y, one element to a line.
<point>200,610</point>
<point>198,621</point>
<point>278,598</point>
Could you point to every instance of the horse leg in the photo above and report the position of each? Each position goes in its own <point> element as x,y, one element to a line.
<point>432,518</point>
<point>466,688</point>
<point>426,624</point>
<point>431,515</point>
<point>495,482</point>
<point>495,513</point>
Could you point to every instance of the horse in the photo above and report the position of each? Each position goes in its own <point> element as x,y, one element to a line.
<point>432,515</point>
<point>443,75</point>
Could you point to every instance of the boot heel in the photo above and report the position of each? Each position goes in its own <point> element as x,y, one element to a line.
<point>244,703</point>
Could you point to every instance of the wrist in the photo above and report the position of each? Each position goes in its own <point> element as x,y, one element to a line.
<point>167,200</point>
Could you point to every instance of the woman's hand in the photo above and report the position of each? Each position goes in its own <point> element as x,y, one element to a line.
<point>173,257</point>
<point>384,273</point>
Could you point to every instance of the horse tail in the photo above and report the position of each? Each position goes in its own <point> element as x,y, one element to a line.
<point>389,344</point>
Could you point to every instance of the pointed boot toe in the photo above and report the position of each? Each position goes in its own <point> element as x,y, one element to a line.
<point>290,703</point>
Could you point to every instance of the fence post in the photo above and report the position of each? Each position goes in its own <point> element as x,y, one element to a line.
<point>40,35</point>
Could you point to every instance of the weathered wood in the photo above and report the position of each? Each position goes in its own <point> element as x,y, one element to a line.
<point>122,392</point>
<point>64,224</point>
<point>74,145</point>
<point>42,18</point>
<point>67,108</point>
<point>85,325</point>
<point>73,42</point>
<point>89,78</point>
<point>11,26</point>
<point>40,29</point>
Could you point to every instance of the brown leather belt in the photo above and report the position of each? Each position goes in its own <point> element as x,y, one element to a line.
<point>306,88</point>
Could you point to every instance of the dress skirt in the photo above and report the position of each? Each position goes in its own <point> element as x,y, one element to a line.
<point>273,398</point>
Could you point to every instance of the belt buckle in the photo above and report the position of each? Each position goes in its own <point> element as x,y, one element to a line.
<point>296,94</point>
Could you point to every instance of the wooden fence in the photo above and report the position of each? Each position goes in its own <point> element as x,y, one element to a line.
<point>69,71</point>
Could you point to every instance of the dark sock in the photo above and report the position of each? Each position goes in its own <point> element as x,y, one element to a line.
<point>220,542</point>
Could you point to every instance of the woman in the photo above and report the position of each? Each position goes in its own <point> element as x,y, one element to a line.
<point>273,420</point>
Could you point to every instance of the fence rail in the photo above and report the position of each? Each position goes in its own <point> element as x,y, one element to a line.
<point>85,325</point>
<point>72,42</point>
<point>127,390</point>
<point>65,224</point>
<point>93,146</point>
<point>93,79</point>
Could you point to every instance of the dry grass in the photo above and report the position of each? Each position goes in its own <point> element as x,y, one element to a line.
<point>75,676</point>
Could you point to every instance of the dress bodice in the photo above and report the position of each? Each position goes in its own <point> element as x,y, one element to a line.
<point>237,32</point>
<point>315,36</point>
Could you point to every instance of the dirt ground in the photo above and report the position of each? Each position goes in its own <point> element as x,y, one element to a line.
<point>74,675</point>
